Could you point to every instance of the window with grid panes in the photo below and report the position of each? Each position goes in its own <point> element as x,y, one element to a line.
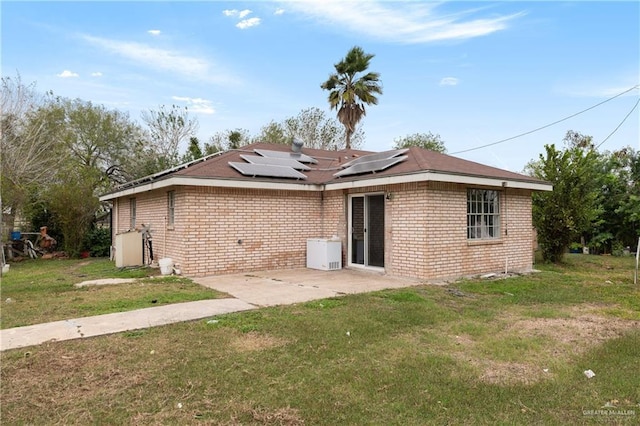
<point>171,205</point>
<point>483,214</point>
<point>132,213</point>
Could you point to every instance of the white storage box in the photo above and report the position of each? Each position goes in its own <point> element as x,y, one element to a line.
<point>128,249</point>
<point>324,254</point>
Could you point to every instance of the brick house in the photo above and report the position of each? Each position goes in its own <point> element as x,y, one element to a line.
<point>411,212</point>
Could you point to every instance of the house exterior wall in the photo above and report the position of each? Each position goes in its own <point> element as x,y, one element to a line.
<point>428,234</point>
<point>240,230</point>
<point>151,210</point>
<point>227,230</point>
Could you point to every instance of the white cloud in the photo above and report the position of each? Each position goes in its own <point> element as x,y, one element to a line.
<point>403,22</point>
<point>162,59</point>
<point>248,23</point>
<point>154,32</point>
<point>68,74</point>
<point>96,74</point>
<point>279,11</point>
<point>449,81</point>
<point>196,105</point>
<point>240,14</point>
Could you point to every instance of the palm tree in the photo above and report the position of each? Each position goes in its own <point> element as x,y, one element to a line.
<point>349,93</point>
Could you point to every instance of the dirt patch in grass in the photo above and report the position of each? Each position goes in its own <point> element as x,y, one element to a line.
<point>254,341</point>
<point>33,387</point>
<point>286,416</point>
<point>564,338</point>
<point>576,334</point>
<point>499,372</point>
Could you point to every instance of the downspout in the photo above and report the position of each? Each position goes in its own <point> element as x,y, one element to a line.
<point>506,230</point>
<point>322,213</point>
<point>115,208</point>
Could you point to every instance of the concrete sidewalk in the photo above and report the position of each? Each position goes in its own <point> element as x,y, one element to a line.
<point>251,290</point>
<point>19,337</point>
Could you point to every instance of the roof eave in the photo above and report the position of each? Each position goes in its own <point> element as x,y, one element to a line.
<point>442,177</point>
<point>212,182</point>
<point>344,184</point>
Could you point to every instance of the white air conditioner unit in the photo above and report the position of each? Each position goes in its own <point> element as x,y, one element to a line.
<point>324,254</point>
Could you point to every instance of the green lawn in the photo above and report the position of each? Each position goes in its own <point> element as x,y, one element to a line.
<point>37,291</point>
<point>509,351</point>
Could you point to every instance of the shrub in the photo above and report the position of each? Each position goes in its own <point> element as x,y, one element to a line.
<point>98,242</point>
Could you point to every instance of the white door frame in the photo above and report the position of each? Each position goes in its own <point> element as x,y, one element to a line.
<point>350,243</point>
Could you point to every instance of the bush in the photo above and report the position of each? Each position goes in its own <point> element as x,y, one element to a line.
<point>617,249</point>
<point>575,248</point>
<point>98,242</point>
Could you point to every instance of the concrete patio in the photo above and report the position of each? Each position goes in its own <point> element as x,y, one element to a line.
<point>248,290</point>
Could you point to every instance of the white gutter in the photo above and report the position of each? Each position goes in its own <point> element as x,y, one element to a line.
<point>375,181</point>
<point>219,183</point>
<point>440,177</point>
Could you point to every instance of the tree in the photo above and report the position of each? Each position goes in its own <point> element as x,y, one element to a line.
<point>422,140</point>
<point>630,208</point>
<point>103,140</point>
<point>317,131</point>
<point>618,224</point>
<point>229,139</point>
<point>29,144</point>
<point>167,130</point>
<point>100,149</point>
<point>349,91</point>
<point>73,204</point>
<point>569,211</point>
<point>273,133</point>
<point>311,126</point>
<point>193,151</point>
<point>210,148</point>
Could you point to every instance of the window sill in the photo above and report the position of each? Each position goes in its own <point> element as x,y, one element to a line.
<point>170,227</point>
<point>487,242</point>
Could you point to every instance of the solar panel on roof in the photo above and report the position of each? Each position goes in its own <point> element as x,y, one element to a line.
<point>303,158</point>
<point>370,166</point>
<point>265,170</point>
<point>377,156</point>
<point>273,161</point>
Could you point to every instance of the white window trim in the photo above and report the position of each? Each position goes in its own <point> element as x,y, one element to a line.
<point>171,208</point>
<point>132,212</point>
<point>484,228</point>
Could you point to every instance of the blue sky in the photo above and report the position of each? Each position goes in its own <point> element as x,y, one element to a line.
<point>473,72</point>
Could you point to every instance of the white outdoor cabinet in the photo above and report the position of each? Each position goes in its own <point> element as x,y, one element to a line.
<point>324,254</point>
<point>128,249</point>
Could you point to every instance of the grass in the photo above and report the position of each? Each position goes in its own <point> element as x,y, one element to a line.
<point>509,351</point>
<point>39,291</point>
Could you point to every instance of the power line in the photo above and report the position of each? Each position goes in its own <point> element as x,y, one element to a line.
<point>551,124</point>
<point>621,123</point>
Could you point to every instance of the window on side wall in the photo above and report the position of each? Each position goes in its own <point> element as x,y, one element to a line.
<point>483,214</point>
<point>171,207</point>
<point>132,213</point>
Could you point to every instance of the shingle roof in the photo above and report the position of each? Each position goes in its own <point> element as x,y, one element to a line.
<point>420,164</point>
<point>330,162</point>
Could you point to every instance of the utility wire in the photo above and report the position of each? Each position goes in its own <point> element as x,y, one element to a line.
<point>551,124</point>
<point>622,122</point>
